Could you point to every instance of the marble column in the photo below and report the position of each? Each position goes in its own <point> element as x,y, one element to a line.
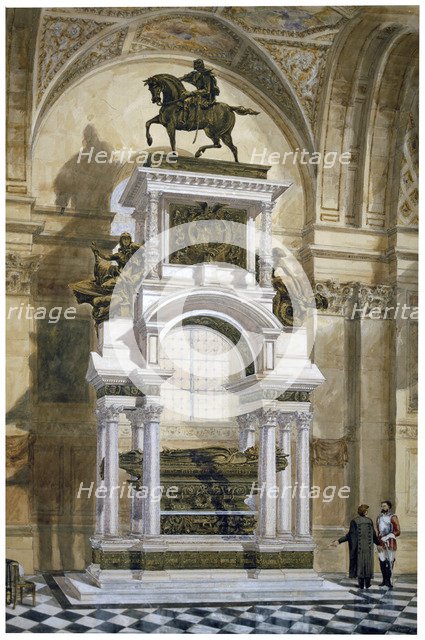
<point>100,462</point>
<point>284,478</point>
<point>266,245</point>
<point>247,426</point>
<point>303,422</point>
<point>151,470</point>
<point>136,419</point>
<point>267,474</point>
<point>250,244</point>
<point>108,513</point>
<point>152,255</point>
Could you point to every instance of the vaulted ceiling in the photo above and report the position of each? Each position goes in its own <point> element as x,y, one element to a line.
<point>281,50</point>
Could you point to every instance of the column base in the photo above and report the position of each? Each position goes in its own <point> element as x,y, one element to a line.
<point>285,536</point>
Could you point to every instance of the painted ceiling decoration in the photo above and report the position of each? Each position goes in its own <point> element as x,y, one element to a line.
<point>285,21</point>
<point>72,42</point>
<point>188,34</point>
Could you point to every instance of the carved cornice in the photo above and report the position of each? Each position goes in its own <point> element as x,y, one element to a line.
<point>19,271</point>
<point>174,182</point>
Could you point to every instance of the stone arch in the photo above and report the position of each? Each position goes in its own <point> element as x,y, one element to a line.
<point>390,95</point>
<point>101,46</point>
<point>244,317</point>
<point>108,41</point>
<point>347,105</point>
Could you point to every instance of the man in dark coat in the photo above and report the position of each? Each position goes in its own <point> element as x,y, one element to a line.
<point>360,537</point>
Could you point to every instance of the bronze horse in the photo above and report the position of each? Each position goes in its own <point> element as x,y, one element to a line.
<point>217,120</point>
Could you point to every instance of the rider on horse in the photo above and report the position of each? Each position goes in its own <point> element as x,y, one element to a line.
<point>206,85</point>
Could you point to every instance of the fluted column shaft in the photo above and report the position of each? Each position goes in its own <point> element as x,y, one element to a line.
<point>108,524</point>
<point>284,478</point>
<point>100,462</point>
<point>136,418</point>
<point>266,246</point>
<point>303,422</point>
<point>267,474</point>
<point>151,470</point>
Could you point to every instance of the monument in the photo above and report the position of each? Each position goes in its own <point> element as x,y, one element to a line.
<point>202,255</point>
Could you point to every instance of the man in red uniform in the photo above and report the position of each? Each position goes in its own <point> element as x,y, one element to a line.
<point>388,529</point>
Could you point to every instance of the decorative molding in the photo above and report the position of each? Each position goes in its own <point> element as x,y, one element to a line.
<point>59,39</point>
<point>19,273</point>
<point>407,209</point>
<point>406,431</point>
<point>378,296</point>
<point>303,66</point>
<point>294,396</point>
<point>191,432</point>
<point>256,70</point>
<point>119,390</point>
<point>338,295</point>
<point>342,296</point>
<point>103,50</point>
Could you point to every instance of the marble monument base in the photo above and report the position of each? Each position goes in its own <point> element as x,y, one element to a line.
<point>183,587</point>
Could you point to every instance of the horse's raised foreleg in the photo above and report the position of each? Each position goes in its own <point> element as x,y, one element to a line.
<point>148,124</point>
<point>227,139</point>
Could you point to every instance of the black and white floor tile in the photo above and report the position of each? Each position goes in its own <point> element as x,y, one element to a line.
<point>380,612</point>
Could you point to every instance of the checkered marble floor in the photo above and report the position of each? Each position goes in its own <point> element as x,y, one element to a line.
<point>380,612</point>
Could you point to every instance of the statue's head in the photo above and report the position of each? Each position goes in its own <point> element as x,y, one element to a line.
<point>199,65</point>
<point>125,239</point>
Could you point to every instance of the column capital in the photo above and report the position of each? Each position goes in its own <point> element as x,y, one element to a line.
<point>248,421</point>
<point>267,207</point>
<point>267,417</point>
<point>286,420</point>
<point>152,412</point>
<point>303,419</point>
<point>135,417</point>
<point>109,413</point>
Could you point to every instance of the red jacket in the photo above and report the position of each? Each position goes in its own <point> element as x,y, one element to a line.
<point>390,543</point>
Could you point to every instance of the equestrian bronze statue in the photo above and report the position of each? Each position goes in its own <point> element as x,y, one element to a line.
<point>183,110</point>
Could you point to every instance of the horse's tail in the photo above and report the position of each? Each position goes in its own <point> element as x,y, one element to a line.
<point>241,111</point>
